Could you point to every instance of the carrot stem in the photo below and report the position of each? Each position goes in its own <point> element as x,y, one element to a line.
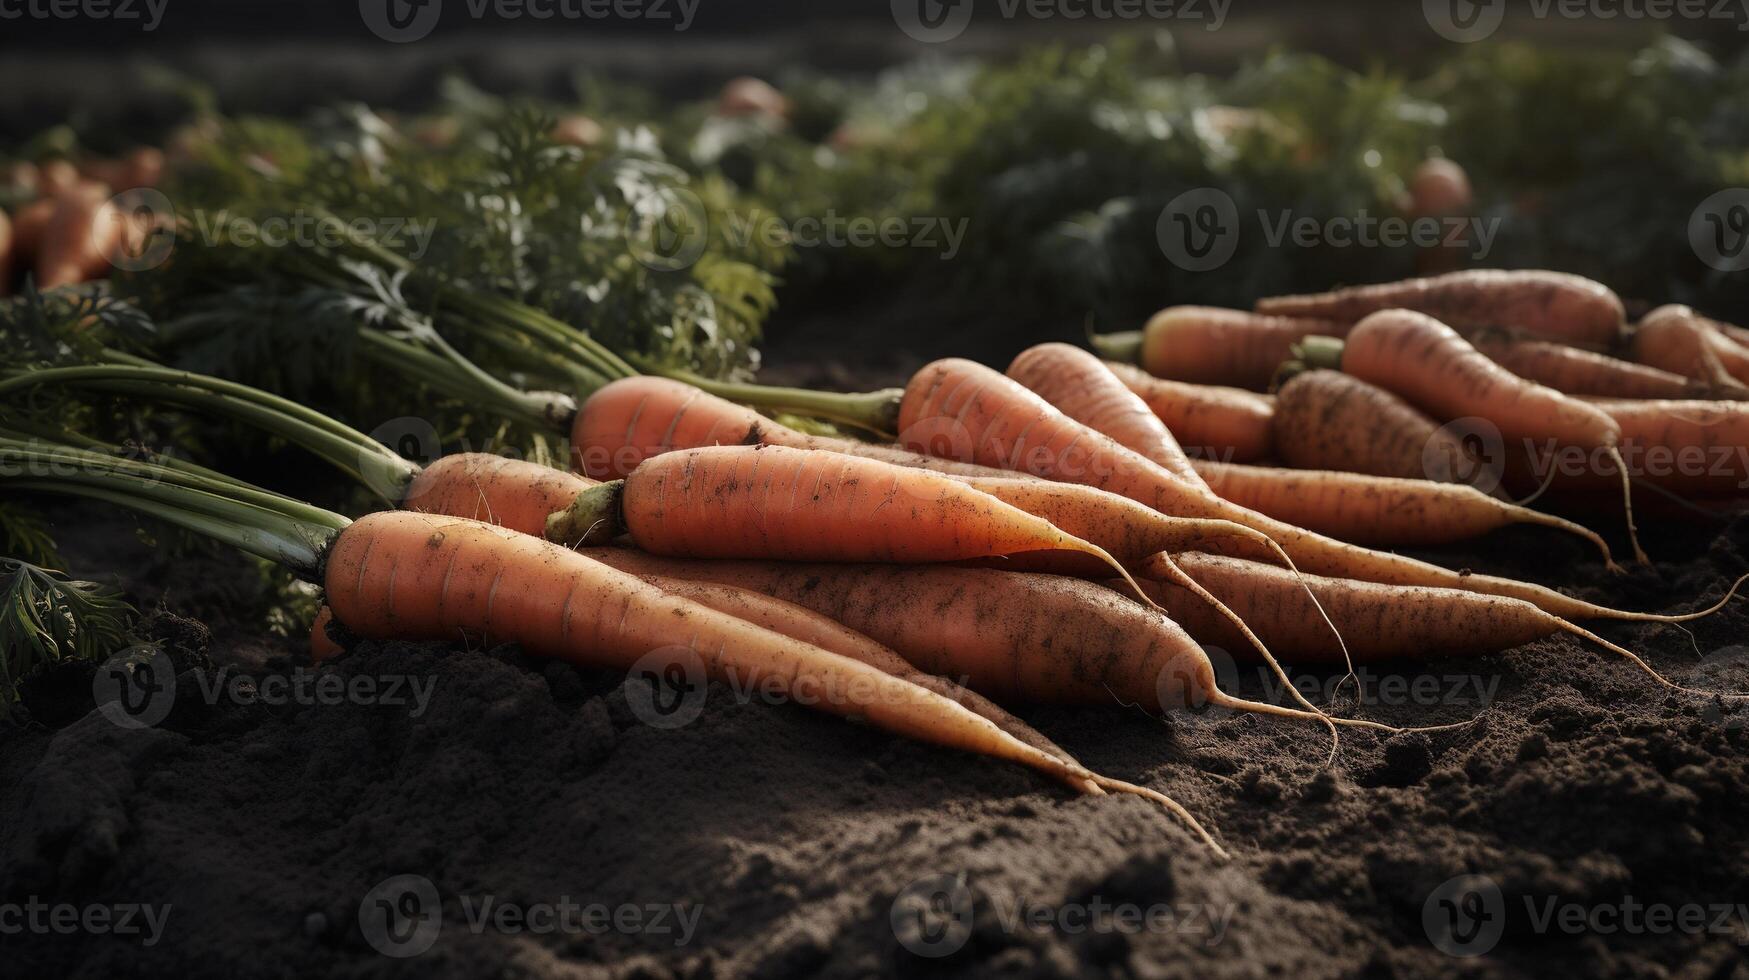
<point>1124,346</point>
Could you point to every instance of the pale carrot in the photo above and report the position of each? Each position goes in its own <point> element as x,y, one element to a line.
<point>1213,421</point>
<point>1573,371</point>
<point>1676,339</point>
<point>1327,420</point>
<point>1377,510</point>
<point>1555,305</point>
<point>1086,390</point>
<point>1214,346</point>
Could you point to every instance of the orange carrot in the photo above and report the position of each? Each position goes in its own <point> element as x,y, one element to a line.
<point>323,646</point>
<point>27,230</point>
<point>1215,422</point>
<point>1377,510</point>
<point>1689,446</point>
<point>1582,372</point>
<point>1327,420</point>
<point>1676,339</point>
<point>628,421</point>
<point>1014,636</point>
<point>804,624</point>
<point>804,505</point>
<point>511,493</point>
<point>1431,366</point>
<point>1084,389</point>
<point>7,246</point>
<point>401,575</point>
<point>1386,622</point>
<point>1555,305</point>
<point>1209,345</point>
<point>56,177</point>
<point>1000,423</point>
<point>78,239</point>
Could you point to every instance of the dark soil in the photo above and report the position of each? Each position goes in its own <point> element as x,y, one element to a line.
<point>263,828</point>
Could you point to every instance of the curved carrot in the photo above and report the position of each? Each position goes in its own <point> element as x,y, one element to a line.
<point>1556,305</point>
<point>1079,384</point>
<point>1690,446</point>
<point>1377,510</point>
<point>1676,339</point>
<point>1216,422</point>
<point>998,422</point>
<point>805,505</point>
<point>1327,420</point>
<point>1430,365</point>
<point>1214,346</point>
<point>1573,371</point>
<point>401,575</point>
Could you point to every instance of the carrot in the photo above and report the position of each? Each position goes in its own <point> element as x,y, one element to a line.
<point>633,419</point>
<point>1386,621</point>
<point>56,177</point>
<point>1581,372</point>
<point>808,626</point>
<point>1690,446</point>
<point>1327,420</point>
<point>1737,334</point>
<point>1216,422</point>
<point>1076,382</point>
<point>1440,188</point>
<point>27,230</point>
<point>1675,339</point>
<point>7,245</point>
<point>1014,636</point>
<point>1016,429</point>
<point>1555,305</point>
<point>77,241</point>
<point>1377,510</point>
<point>1427,363</point>
<point>323,646</point>
<point>511,493</point>
<point>804,505</point>
<point>1210,345</point>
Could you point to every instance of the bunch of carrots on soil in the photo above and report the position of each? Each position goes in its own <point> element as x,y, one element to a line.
<point>1039,535</point>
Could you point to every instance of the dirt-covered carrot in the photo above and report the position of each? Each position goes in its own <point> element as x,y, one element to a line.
<point>1430,365</point>
<point>1676,339</point>
<point>1327,420</point>
<point>1214,346</point>
<point>633,419</point>
<point>804,624</point>
<point>512,493</point>
<point>1693,447</point>
<point>1016,429</point>
<point>404,575</point>
<point>1377,510</point>
<point>1085,389</point>
<point>1386,622</point>
<point>1553,305</point>
<point>1213,421</point>
<point>1015,636</point>
<point>805,505</point>
<point>1581,372</point>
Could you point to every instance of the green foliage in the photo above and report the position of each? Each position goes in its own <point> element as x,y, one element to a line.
<point>46,618</point>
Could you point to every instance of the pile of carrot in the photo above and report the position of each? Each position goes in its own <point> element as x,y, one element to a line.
<point>1072,530</point>
<point>65,227</point>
